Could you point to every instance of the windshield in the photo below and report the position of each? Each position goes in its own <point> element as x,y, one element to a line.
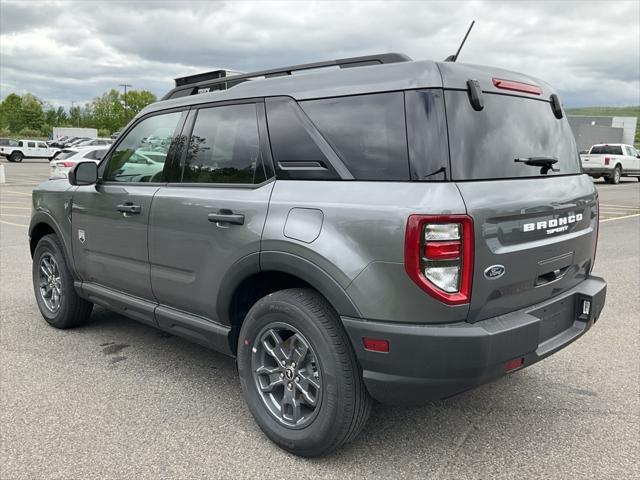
<point>486,144</point>
<point>606,150</point>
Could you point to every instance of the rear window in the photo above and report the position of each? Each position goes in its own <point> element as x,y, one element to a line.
<point>485,144</point>
<point>606,150</point>
<point>367,132</point>
<point>66,154</point>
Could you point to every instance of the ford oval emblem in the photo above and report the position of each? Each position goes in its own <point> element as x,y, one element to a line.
<point>494,271</point>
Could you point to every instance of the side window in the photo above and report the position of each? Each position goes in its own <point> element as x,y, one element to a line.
<point>21,143</point>
<point>137,160</point>
<point>224,146</point>
<point>31,144</point>
<point>367,131</point>
<point>42,145</point>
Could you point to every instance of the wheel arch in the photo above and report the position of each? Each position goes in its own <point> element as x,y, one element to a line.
<point>277,271</point>
<point>44,224</point>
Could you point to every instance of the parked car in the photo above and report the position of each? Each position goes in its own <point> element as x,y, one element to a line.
<point>67,159</point>
<point>94,141</point>
<point>400,230</point>
<point>612,161</point>
<point>27,149</point>
<point>74,142</point>
<point>56,142</point>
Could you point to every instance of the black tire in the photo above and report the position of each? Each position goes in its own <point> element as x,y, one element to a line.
<point>616,175</point>
<point>343,403</point>
<point>16,157</point>
<point>72,310</point>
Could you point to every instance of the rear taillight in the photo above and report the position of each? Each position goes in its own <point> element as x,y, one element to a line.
<point>68,164</point>
<point>607,160</point>
<point>438,255</point>
<point>595,249</point>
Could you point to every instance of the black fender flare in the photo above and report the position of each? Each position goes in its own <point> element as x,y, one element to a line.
<point>43,217</point>
<point>283,262</point>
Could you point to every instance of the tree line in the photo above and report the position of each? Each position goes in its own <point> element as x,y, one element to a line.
<point>28,116</point>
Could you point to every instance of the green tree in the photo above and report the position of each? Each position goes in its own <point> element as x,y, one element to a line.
<point>11,113</point>
<point>31,112</point>
<point>136,101</point>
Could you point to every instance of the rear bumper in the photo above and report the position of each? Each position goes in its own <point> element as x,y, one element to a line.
<point>429,362</point>
<point>597,170</point>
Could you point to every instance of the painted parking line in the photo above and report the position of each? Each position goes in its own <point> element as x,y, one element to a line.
<point>611,205</point>
<point>620,218</point>
<point>3,207</point>
<point>14,224</point>
<point>17,193</point>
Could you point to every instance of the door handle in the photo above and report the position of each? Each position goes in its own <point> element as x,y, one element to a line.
<point>226,216</point>
<point>129,207</point>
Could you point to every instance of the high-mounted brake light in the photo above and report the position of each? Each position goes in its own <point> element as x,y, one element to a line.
<point>438,256</point>
<point>517,86</point>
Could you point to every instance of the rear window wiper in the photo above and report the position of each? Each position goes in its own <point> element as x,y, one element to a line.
<point>545,163</point>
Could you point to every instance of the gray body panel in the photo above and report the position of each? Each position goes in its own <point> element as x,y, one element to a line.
<point>190,256</point>
<point>361,242</point>
<point>114,253</point>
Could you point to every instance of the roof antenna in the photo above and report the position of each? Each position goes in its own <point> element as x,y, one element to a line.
<point>453,58</point>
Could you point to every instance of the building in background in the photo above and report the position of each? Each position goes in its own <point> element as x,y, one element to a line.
<point>590,130</point>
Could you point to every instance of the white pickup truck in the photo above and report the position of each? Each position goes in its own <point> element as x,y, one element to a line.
<point>612,161</point>
<point>28,149</point>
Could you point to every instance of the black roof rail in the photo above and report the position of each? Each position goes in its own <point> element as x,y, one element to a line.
<point>221,80</point>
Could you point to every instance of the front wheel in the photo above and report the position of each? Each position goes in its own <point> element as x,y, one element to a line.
<point>299,374</point>
<point>57,299</point>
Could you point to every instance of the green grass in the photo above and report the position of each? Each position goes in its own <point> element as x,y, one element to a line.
<point>611,112</point>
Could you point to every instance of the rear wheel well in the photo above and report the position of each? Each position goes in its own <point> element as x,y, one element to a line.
<point>253,289</point>
<point>39,231</point>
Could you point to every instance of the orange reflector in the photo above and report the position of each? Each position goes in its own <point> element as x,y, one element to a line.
<point>376,345</point>
<point>514,364</point>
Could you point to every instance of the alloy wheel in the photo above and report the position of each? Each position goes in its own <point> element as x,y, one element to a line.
<point>287,375</point>
<point>50,283</point>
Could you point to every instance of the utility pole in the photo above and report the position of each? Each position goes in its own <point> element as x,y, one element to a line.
<point>125,85</point>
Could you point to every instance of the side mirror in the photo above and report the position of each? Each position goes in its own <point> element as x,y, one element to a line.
<point>84,173</point>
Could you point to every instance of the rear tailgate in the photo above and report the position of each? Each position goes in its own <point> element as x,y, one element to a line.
<point>592,160</point>
<point>542,232</point>
<point>518,170</point>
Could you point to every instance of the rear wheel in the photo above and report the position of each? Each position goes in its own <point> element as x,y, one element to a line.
<point>57,299</point>
<point>16,157</point>
<point>299,375</point>
<point>615,176</point>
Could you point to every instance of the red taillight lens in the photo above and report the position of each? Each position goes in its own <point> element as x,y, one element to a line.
<point>517,86</point>
<point>514,364</point>
<point>443,250</point>
<point>438,254</point>
<point>595,249</point>
<point>68,164</point>
<point>607,160</point>
<point>376,345</point>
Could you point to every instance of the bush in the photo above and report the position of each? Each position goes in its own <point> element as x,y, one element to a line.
<point>30,133</point>
<point>104,133</point>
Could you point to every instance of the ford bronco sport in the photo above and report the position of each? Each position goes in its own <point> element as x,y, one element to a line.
<point>384,229</point>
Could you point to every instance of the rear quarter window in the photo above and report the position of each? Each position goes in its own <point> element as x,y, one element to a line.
<point>368,132</point>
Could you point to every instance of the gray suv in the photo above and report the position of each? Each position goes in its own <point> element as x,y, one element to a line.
<point>375,228</point>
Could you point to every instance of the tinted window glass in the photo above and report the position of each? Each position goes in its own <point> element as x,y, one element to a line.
<point>224,145</point>
<point>606,150</point>
<point>137,160</point>
<point>367,131</point>
<point>31,144</point>
<point>290,142</point>
<point>427,135</point>
<point>485,144</point>
<point>66,154</point>
<point>42,145</point>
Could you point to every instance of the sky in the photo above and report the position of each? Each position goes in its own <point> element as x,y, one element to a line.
<point>67,51</point>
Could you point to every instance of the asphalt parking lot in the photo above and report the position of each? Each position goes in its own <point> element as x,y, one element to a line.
<point>116,399</point>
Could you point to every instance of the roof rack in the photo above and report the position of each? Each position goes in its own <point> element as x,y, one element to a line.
<point>225,79</point>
